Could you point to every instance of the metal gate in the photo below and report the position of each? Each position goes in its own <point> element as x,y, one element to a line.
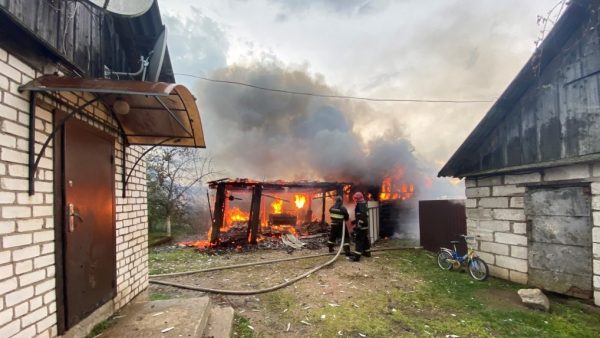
<point>560,246</point>
<point>442,221</point>
<point>89,224</point>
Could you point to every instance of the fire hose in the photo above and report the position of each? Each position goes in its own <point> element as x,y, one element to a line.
<point>252,292</point>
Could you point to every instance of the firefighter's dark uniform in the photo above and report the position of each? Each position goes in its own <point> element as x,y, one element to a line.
<point>338,214</point>
<point>361,229</point>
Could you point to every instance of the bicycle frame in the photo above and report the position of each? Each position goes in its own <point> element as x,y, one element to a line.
<point>457,258</point>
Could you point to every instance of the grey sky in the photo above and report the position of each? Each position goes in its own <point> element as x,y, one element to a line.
<point>444,49</point>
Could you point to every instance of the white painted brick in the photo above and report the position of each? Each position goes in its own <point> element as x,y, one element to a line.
<point>471,192</point>
<point>7,197</point>
<point>523,178</point>
<point>10,72</point>
<point>518,251</point>
<point>596,250</point>
<point>518,277</point>
<point>19,296</point>
<point>7,141</point>
<point>18,184</point>
<point>596,202</point>
<point>517,202</point>
<point>495,248</point>
<point>8,285</point>
<point>31,224</point>
<point>495,225</point>
<point>18,170</point>
<point>35,316</point>
<point>508,190</point>
<point>21,309</point>
<point>511,263</point>
<point>43,261</point>
<point>597,282</point>
<point>7,227</point>
<point>16,240</point>
<point>493,202</point>
<point>3,55</point>
<point>567,173</point>
<point>596,218</point>
<point>15,101</point>
<point>26,253</point>
<point>47,248</point>
<point>42,210</point>
<point>43,325</point>
<point>596,266</point>
<point>6,271</point>
<point>4,257</point>
<point>481,234</point>
<point>13,327</point>
<point>16,129</point>
<point>479,214</point>
<point>597,298</point>
<point>487,257</point>
<point>470,183</point>
<point>44,286</point>
<point>32,277</point>
<point>509,214</point>
<point>43,236</point>
<point>36,302</point>
<point>6,316</point>
<point>50,296</point>
<point>22,67</point>
<point>513,239</point>
<point>519,228</point>
<point>23,267</point>
<point>488,181</point>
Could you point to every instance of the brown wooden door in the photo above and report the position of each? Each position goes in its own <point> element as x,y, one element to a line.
<point>560,245</point>
<point>89,227</point>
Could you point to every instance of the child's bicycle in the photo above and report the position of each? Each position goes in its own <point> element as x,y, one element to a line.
<point>449,259</point>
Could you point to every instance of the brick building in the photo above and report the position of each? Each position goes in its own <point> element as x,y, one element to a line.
<point>73,206</point>
<point>532,165</point>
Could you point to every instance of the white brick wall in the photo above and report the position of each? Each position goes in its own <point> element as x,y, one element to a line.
<point>495,213</point>
<point>27,258</point>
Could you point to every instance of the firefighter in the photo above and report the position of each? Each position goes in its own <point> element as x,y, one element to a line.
<point>361,226</point>
<point>338,214</point>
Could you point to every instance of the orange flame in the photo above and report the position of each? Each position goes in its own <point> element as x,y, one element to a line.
<point>391,190</point>
<point>277,206</point>
<point>237,215</point>
<point>300,200</point>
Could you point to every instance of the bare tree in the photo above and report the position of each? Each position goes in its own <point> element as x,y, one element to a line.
<point>172,172</point>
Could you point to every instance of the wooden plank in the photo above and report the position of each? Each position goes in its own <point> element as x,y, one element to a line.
<point>513,153</point>
<point>529,130</point>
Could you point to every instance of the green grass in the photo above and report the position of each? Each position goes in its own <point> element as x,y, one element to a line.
<point>438,303</point>
<point>100,327</point>
<point>158,296</point>
<point>241,327</point>
<point>176,260</point>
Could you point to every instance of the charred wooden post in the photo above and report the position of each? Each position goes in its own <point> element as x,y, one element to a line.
<point>323,210</point>
<point>219,213</point>
<point>254,220</point>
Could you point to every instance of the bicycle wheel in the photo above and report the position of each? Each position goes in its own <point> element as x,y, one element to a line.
<point>442,260</point>
<point>478,269</point>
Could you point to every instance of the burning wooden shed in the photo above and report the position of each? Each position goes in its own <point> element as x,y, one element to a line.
<point>532,165</point>
<point>270,208</point>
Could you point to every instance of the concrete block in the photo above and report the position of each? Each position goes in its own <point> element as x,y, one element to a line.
<point>495,248</point>
<point>509,214</point>
<point>518,251</point>
<point>519,228</point>
<point>596,266</point>
<point>518,277</point>
<point>479,214</point>
<point>487,257</point>
<point>523,178</point>
<point>567,172</point>
<point>517,202</point>
<point>596,218</point>
<point>595,188</point>
<point>489,181</point>
<point>493,202</point>
<point>498,272</point>
<point>495,225</point>
<point>482,234</point>
<point>470,182</point>
<point>471,203</point>
<point>511,263</point>
<point>477,192</point>
<point>597,298</point>
<point>508,190</point>
<point>596,234</point>
<point>507,238</point>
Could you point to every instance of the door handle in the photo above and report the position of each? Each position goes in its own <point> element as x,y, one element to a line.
<point>72,214</point>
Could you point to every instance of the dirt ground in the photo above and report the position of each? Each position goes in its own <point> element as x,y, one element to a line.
<point>391,294</point>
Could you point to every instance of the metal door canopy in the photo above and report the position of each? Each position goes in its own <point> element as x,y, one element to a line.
<point>160,113</point>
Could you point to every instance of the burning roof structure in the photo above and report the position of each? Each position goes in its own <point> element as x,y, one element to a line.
<point>273,207</point>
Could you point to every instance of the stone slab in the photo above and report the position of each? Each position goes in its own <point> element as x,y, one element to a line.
<point>162,318</point>
<point>220,323</point>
